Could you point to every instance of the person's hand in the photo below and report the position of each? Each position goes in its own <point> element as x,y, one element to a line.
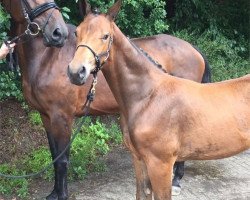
<point>4,50</point>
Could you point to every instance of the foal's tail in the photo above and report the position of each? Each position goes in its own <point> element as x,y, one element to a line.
<point>207,73</point>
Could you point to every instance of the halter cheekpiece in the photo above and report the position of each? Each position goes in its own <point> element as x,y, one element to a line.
<point>30,14</point>
<point>98,56</point>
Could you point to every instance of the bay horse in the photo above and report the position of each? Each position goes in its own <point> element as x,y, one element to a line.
<point>164,118</point>
<point>47,88</point>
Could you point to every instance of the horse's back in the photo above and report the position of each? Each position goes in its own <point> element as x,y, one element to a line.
<point>177,56</point>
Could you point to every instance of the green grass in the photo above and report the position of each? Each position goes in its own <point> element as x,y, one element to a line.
<point>94,140</point>
<point>35,118</point>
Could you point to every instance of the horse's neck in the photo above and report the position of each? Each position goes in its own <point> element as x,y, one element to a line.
<point>130,75</point>
<point>30,51</point>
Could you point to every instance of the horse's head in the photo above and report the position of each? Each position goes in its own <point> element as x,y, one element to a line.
<point>44,15</point>
<point>94,41</point>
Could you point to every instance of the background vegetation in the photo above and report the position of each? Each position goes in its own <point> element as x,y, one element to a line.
<point>220,28</point>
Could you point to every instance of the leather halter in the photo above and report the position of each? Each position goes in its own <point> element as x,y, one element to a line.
<point>30,14</point>
<point>33,28</point>
<point>34,13</point>
<point>98,56</point>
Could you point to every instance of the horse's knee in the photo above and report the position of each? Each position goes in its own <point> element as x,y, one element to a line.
<point>62,164</point>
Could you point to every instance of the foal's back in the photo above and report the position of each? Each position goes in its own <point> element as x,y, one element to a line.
<point>212,120</point>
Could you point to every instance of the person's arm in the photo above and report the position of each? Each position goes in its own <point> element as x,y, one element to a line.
<point>4,50</point>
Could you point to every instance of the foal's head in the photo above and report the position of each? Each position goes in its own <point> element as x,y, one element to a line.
<point>94,41</point>
<point>44,13</point>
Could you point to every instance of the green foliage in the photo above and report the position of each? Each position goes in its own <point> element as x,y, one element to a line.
<point>4,23</point>
<point>65,13</point>
<point>10,86</point>
<point>10,186</point>
<point>229,17</point>
<point>222,53</point>
<point>9,82</point>
<point>37,160</point>
<point>137,18</point>
<point>220,29</point>
<point>92,142</point>
<point>4,26</point>
<point>35,118</point>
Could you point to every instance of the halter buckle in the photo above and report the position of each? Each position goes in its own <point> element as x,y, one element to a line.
<point>93,85</point>
<point>33,29</point>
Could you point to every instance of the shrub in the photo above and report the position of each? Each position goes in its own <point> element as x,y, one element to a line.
<point>4,23</point>
<point>4,26</point>
<point>92,142</point>
<point>223,54</point>
<point>10,86</point>
<point>10,186</point>
<point>137,18</point>
<point>35,118</point>
<point>220,29</point>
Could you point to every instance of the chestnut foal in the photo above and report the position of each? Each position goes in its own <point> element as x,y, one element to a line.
<point>164,118</point>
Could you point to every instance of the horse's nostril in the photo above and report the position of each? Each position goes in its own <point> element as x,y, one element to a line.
<point>57,34</point>
<point>82,72</point>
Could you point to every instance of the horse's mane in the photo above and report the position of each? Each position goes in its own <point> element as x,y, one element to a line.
<point>158,65</point>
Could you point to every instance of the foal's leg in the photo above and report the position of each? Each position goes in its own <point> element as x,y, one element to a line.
<point>143,185</point>
<point>61,131</point>
<point>160,174</point>
<point>178,174</point>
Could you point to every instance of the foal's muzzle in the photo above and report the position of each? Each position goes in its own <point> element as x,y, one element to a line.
<point>79,77</point>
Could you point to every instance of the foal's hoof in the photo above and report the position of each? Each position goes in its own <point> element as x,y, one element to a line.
<point>52,196</point>
<point>176,190</point>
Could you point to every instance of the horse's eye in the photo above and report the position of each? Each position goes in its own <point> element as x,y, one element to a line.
<point>75,33</point>
<point>105,37</point>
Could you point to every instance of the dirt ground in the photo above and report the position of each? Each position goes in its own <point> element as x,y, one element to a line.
<point>227,179</point>
<point>17,135</point>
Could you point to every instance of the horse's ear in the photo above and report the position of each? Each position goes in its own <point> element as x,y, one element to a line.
<point>114,10</point>
<point>84,7</point>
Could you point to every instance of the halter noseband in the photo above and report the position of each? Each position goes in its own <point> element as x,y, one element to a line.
<point>30,14</point>
<point>98,56</point>
<point>34,13</point>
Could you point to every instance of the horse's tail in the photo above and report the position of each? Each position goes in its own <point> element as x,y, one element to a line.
<point>206,78</point>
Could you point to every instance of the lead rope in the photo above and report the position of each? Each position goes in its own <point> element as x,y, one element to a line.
<point>89,100</point>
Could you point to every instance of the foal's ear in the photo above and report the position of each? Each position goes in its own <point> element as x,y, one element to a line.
<point>114,10</point>
<point>84,7</point>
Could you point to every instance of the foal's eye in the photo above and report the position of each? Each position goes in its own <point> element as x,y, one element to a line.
<point>105,37</point>
<point>75,33</point>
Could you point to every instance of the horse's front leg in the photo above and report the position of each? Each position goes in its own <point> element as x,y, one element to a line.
<point>59,137</point>
<point>53,151</point>
<point>160,174</point>
<point>178,174</point>
<point>143,185</point>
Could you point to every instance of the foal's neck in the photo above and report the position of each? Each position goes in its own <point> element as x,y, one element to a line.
<point>131,76</point>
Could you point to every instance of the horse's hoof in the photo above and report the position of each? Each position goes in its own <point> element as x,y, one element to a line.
<point>63,198</point>
<point>176,190</point>
<point>52,196</point>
